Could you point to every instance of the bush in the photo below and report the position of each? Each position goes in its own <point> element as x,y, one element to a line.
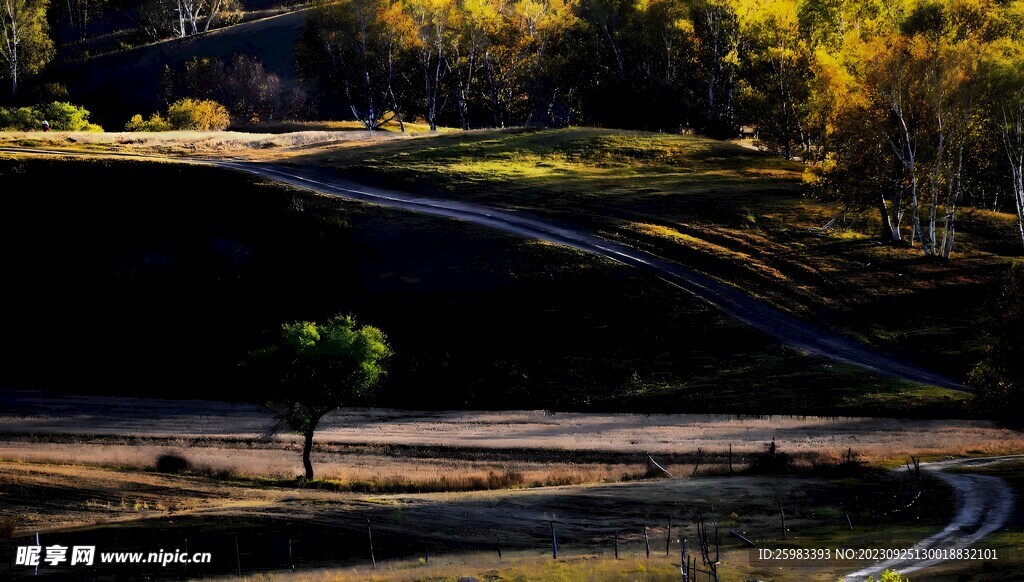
<point>20,119</point>
<point>62,116</point>
<point>245,87</point>
<point>154,123</point>
<point>890,576</point>
<point>198,115</point>
<point>171,463</point>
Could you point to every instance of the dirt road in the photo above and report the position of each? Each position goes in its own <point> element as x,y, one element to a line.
<point>733,301</point>
<point>984,504</point>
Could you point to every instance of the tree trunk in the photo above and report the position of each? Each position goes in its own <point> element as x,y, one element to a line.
<point>307,448</point>
<point>14,70</point>
<point>889,233</point>
<point>1018,195</point>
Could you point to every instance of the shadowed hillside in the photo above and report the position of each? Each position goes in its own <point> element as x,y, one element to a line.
<point>117,85</point>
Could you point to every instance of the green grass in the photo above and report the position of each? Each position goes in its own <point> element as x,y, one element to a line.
<point>478,319</point>
<point>737,214</point>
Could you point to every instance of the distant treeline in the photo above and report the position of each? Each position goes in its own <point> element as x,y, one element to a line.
<point>914,107</point>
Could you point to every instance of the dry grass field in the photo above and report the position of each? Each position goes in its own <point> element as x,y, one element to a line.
<point>132,509</point>
<point>353,444</point>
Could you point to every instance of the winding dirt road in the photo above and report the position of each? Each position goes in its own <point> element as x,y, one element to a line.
<point>984,504</point>
<point>733,301</point>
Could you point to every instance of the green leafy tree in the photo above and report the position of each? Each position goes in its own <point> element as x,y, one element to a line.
<point>25,45</point>
<point>317,368</point>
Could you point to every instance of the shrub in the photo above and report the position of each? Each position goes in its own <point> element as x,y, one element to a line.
<point>247,89</point>
<point>771,462</point>
<point>890,576</point>
<point>20,119</point>
<point>154,123</point>
<point>171,463</point>
<point>198,115</point>
<point>64,116</point>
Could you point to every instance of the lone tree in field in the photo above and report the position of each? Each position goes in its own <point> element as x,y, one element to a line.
<point>316,368</point>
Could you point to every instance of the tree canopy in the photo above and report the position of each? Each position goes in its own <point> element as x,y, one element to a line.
<point>25,45</point>
<point>315,368</point>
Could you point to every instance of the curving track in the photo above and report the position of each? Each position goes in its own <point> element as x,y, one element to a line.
<point>984,504</point>
<point>733,301</point>
<point>785,328</point>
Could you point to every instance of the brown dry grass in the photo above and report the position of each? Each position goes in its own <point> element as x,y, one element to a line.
<point>228,436</point>
<point>195,143</point>
<point>342,471</point>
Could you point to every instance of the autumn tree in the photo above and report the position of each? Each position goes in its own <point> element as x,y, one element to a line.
<point>436,24</point>
<point>25,45</point>
<point>717,33</point>
<point>1004,71</point>
<point>775,73</point>
<point>354,48</point>
<point>249,91</point>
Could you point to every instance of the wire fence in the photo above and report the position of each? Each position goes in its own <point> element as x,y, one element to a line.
<point>262,545</point>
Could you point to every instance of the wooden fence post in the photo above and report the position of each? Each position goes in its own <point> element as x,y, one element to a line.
<point>668,537</point>
<point>616,538</point>
<point>647,542</point>
<point>497,542</point>
<point>683,560</point>
<point>554,542</point>
<point>238,557</point>
<point>782,514</point>
<point>369,535</point>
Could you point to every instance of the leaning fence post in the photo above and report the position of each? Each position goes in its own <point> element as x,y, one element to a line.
<point>497,542</point>
<point>668,536</point>
<point>238,557</point>
<point>369,535</point>
<point>554,541</point>
<point>683,565</point>
<point>647,542</point>
<point>782,514</point>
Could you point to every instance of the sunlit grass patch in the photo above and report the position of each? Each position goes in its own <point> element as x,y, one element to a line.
<point>703,245</point>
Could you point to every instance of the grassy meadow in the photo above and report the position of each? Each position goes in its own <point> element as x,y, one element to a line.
<point>729,211</point>
<point>496,322</point>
